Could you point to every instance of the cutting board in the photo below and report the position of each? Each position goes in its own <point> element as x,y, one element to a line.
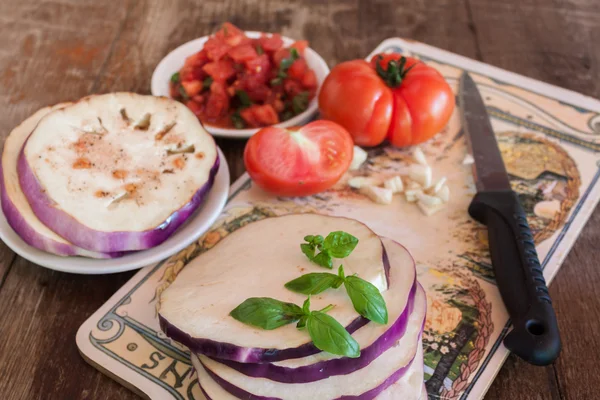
<point>549,137</point>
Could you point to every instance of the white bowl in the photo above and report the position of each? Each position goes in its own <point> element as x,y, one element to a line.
<point>175,60</point>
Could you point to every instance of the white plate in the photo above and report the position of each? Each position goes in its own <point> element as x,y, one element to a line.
<point>175,60</point>
<point>198,223</point>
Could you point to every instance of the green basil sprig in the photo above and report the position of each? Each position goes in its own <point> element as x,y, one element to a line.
<point>337,244</point>
<point>326,333</point>
<point>365,297</point>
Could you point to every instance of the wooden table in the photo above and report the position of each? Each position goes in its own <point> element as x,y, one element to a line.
<point>53,51</point>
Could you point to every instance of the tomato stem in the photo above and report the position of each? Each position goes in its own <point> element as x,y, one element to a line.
<point>395,71</point>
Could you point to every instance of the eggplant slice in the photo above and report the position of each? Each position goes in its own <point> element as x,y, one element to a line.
<point>98,179</point>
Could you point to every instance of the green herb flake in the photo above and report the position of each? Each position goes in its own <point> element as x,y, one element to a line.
<point>276,81</point>
<point>175,77</point>
<point>183,93</point>
<point>244,98</point>
<point>237,120</point>
<point>300,102</point>
<point>207,82</point>
<point>259,50</point>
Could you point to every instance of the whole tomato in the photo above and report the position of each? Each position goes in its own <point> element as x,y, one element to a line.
<point>394,97</point>
<point>298,161</point>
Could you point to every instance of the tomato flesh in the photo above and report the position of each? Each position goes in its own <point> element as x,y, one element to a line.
<point>299,162</point>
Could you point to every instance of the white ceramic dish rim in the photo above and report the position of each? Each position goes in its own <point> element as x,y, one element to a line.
<point>173,61</point>
<point>198,224</point>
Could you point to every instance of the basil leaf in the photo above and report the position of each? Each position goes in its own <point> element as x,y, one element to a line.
<point>207,82</point>
<point>175,77</point>
<point>328,335</point>
<point>306,306</point>
<point>340,244</point>
<point>244,98</point>
<point>341,278</point>
<point>323,259</point>
<point>366,299</point>
<point>313,283</point>
<point>302,322</point>
<point>308,250</point>
<point>266,313</point>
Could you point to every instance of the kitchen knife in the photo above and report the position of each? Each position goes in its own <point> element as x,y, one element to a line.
<point>535,337</point>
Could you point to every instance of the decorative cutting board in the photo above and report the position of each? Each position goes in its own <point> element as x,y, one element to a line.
<point>550,139</point>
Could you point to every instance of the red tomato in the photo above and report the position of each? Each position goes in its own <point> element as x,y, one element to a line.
<point>231,35</point>
<point>300,45</point>
<point>270,43</point>
<point>309,80</point>
<point>218,100</point>
<point>215,48</point>
<point>291,87</point>
<point>280,55</point>
<point>220,70</point>
<point>258,68</point>
<point>194,107</point>
<point>242,53</point>
<point>297,69</point>
<point>192,88</point>
<point>197,60</point>
<point>257,115</point>
<point>404,100</point>
<point>300,161</point>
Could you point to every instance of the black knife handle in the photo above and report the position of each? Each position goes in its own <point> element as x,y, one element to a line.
<point>535,337</point>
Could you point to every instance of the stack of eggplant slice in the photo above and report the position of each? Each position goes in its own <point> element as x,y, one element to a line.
<point>235,360</point>
<point>106,175</point>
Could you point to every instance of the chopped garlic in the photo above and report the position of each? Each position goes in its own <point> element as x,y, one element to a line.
<point>439,184</point>
<point>358,158</point>
<point>359,181</point>
<point>547,209</point>
<point>444,194</point>
<point>421,174</point>
<point>429,210</point>
<point>394,184</point>
<point>468,160</point>
<point>377,194</point>
<point>428,200</point>
<point>419,156</point>
<point>412,195</point>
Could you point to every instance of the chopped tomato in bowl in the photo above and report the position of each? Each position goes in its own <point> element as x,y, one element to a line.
<point>236,81</point>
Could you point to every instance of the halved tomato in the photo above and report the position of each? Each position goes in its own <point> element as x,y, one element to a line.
<point>299,161</point>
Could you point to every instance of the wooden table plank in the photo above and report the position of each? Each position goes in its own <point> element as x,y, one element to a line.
<point>555,43</point>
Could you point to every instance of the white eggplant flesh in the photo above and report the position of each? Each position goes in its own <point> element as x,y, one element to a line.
<point>379,375</point>
<point>108,184</point>
<point>256,261</point>
<point>15,206</point>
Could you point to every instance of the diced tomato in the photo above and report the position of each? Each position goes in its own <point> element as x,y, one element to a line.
<point>257,115</point>
<point>174,90</point>
<point>194,107</point>
<point>259,70</point>
<point>218,100</point>
<point>220,70</point>
<point>309,80</point>
<point>258,93</point>
<point>280,55</point>
<point>243,53</point>
<point>291,87</point>
<point>198,99</point>
<point>192,74</point>
<point>192,88</point>
<point>300,45</point>
<point>216,48</point>
<point>297,69</point>
<point>231,35</point>
<point>271,43</point>
<point>197,60</point>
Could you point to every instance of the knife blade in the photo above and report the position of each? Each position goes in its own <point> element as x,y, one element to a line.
<point>519,276</point>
